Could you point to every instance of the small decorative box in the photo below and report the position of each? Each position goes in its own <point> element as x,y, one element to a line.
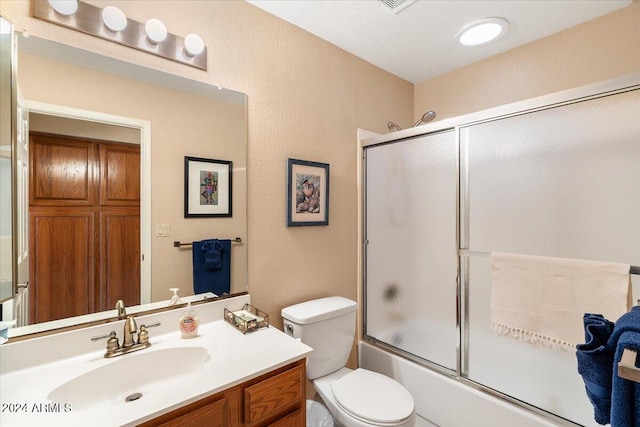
<point>248,319</point>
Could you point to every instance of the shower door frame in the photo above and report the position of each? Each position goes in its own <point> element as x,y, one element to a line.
<point>593,91</point>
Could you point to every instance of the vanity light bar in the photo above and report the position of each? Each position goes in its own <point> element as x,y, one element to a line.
<point>150,37</point>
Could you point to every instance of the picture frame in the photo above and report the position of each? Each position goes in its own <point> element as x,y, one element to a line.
<point>307,193</point>
<point>207,187</point>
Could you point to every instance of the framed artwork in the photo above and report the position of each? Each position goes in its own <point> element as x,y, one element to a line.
<point>307,193</point>
<point>207,187</point>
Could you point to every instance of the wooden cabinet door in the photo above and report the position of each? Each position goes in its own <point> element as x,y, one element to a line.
<point>219,410</point>
<point>214,414</point>
<point>85,226</point>
<point>272,398</point>
<point>119,175</point>
<point>119,256</point>
<point>61,171</point>
<point>294,419</point>
<point>61,263</point>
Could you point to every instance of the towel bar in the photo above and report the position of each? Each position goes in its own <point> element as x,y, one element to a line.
<point>177,244</point>
<point>635,269</point>
<point>627,366</point>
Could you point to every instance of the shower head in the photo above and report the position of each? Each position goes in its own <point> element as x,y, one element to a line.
<point>392,125</point>
<point>426,117</point>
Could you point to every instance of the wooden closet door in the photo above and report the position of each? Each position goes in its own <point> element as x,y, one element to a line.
<point>120,256</point>
<point>61,262</point>
<point>61,227</point>
<point>119,224</point>
<point>85,226</point>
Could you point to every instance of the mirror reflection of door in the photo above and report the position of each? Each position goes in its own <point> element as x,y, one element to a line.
<point>21,163</point>
<point>84,210</point>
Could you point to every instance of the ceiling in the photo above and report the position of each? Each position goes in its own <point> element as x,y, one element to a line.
<point>417,42</point>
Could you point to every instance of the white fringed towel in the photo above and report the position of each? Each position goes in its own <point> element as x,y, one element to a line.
<point>542,300</point>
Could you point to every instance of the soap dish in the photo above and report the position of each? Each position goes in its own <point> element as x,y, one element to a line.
<point>248,319</point>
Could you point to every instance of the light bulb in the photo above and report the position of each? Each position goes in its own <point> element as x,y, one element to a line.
<point>193,44</point>
<point>156,30</point>
<point>64,7</point>
<point>114,19</point>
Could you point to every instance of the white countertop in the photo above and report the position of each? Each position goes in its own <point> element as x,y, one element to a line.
<point>234,358</point>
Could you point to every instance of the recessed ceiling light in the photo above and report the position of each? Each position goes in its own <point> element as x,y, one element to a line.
<point>482,31</point>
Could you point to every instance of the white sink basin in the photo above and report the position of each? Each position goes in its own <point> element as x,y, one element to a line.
<point>128,376</point>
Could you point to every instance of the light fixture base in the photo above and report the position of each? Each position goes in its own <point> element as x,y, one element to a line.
<point>86,16</point>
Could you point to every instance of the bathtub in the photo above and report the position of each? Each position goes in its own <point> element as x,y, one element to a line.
<point>444,401</point>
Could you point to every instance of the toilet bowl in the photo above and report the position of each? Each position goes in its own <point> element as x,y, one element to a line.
<point>355,398</point>
<point>362,398</point>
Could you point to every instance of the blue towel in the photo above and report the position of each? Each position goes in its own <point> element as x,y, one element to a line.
<point>625,396</point>
<point>212,255</point>
<point>625,399</point>
<point>217,280</point>
<point>594,364</point>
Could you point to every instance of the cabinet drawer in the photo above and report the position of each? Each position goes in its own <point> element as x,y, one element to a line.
<point>274,396</point>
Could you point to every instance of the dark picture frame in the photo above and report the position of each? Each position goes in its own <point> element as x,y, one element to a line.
<point>307,193</point>
<point>207,187</point>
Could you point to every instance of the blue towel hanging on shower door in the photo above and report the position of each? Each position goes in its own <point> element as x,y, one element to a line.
<point>615,400</point>
<point>625,396</point>
<point>595,361</point>
<point>212,266</point>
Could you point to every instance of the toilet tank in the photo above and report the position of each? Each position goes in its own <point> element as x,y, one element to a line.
<point>327,325</point>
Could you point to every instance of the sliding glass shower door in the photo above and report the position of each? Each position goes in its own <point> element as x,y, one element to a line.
<point>411,258</point>
<point>558,180</point>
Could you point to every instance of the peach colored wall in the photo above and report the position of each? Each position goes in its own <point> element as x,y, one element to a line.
<point>597,50</point>
<point>86,129</point>
<point>181,125</point>
<point>306,98</point>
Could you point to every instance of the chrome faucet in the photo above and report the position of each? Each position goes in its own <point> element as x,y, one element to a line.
<point>129,344</point>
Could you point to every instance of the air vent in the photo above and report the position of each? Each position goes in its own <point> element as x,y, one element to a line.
<point>395,6</point>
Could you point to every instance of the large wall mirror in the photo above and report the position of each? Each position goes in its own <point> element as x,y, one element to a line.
<point>7,94</point>
<point>102,180</point>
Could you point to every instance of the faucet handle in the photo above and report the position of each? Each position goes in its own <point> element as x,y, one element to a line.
<point>143,335</point>
<point>153,325</point>
<point>112,343</point>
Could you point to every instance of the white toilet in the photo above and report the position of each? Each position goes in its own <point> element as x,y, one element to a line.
<point>355,398</point>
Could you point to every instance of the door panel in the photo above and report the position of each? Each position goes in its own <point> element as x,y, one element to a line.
<point>62,262</point>
<point>120,175</point>
<point>61,171</point>
<point>411,262</point>
<point>120,256</point>
<point>22,212</point>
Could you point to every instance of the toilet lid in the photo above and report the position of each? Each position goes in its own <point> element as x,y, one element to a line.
<point>373,397</point>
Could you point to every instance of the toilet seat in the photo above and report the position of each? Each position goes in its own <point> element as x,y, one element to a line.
<point>373,398</point>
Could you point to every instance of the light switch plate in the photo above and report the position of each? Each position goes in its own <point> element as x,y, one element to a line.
<point>163,230</point>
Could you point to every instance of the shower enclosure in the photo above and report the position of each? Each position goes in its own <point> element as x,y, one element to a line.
<point>557,176</point>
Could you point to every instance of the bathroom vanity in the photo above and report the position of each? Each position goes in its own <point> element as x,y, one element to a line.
<point>219,378</point>
<point>275,399</point>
